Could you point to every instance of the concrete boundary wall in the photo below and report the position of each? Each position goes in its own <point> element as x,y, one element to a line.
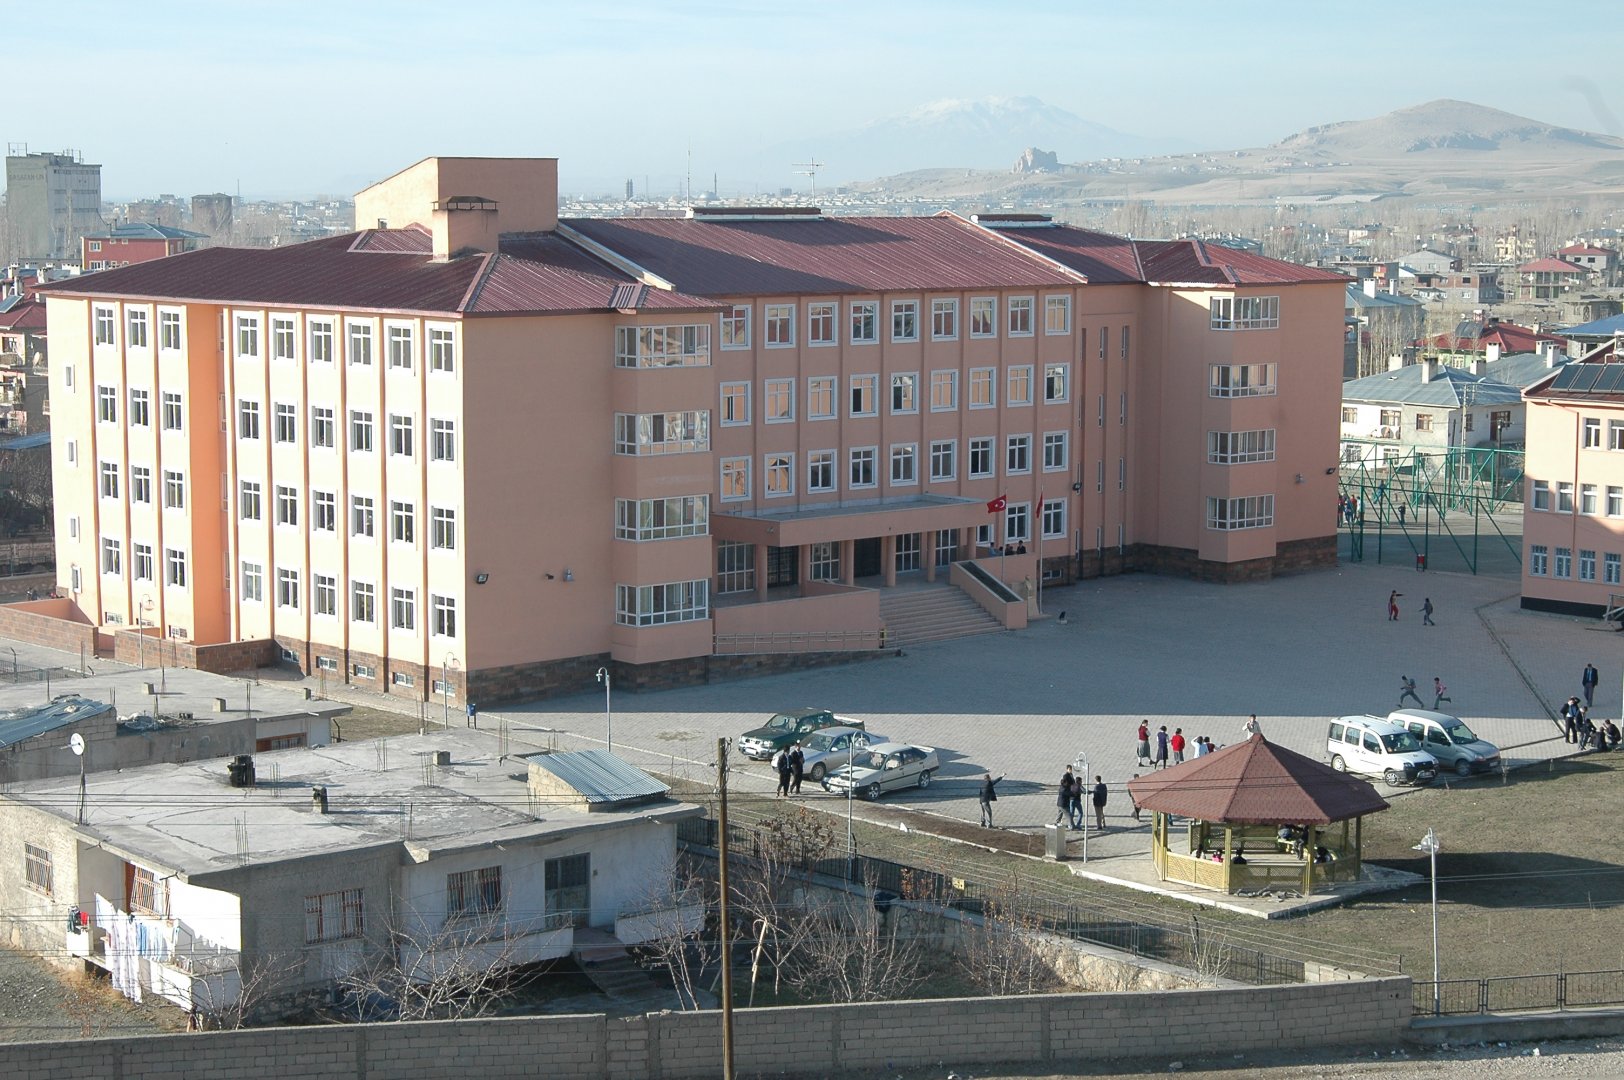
<point>813,1041</point>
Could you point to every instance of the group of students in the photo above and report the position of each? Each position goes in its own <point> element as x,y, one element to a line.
<point>1170,749</point>
<point>1577,727</point>
<point>790,764</point>
<point>1070,800</point>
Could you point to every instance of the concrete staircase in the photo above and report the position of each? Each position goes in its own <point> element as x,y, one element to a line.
<point>915,616</point>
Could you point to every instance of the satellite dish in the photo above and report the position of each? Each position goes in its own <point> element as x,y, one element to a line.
<point>77,744</point>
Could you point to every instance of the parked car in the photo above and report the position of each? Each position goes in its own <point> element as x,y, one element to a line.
<point>832,748</point>
<point>1446,738</point>
<point>885,767</point>
<point>1372,746</point>
<point>760,744</point>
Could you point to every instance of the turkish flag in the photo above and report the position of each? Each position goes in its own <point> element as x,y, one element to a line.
<point>997,505</point>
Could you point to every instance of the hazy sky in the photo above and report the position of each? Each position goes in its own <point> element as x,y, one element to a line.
<point>290,98</point>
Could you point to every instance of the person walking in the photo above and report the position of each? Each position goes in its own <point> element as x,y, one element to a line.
<point>781,763</point>
<point>1100,795</point>
<point>797,766</point>
<point>1570,720</point>
<point>1406,689</point>
<point>1401,515</point>
<point>1177,743</point>
<point>1426,612</point>
<point>1392,605</point>
<point>989,795</point>
<point>1143,755</point>
<point>1440,693</point>
<point>1588,681</point>
<point>1161,748</point>
<point>1074,809</point>
<point>1062,801</point>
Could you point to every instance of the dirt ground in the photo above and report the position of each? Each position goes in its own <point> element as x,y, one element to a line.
<point>39,1002</point>
<point>1530,874</point>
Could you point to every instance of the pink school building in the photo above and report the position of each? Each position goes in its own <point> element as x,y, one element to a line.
<point>478,451</point>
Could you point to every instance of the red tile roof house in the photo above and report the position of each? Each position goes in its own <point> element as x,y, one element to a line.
<point>1546,279</point>
<point>477,452</point>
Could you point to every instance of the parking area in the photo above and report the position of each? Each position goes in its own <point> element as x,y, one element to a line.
<point>1296,651</point>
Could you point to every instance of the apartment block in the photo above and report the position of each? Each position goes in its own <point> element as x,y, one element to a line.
<point>1573,524</point>
<point>476,450</point>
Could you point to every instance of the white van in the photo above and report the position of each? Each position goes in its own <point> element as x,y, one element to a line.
<point>1372,746</point>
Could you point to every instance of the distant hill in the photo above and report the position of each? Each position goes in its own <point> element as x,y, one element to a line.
<point>988,133</point>
<point>1442,150</point>
<point>1442,126</point>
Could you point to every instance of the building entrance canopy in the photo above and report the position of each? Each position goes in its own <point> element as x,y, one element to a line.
<point>825,524</point>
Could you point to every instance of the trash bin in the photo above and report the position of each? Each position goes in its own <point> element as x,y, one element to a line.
<point>1420,561</point>
<point>1054,843</point>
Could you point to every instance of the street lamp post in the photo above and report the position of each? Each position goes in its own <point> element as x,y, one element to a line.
<point>141,631</point>
<point>1429,844</point>
<point>608,713</point>
<point>445,688</point>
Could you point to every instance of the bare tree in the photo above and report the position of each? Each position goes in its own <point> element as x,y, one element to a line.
<point>453,972</point>
<point>233,994</point>
<point>999,955</point>
<point>680,942</point>
<point>859,952</point>
<point>764,888</point>
<point>1208,954</point>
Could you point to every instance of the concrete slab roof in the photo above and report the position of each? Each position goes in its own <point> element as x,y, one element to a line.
<point>179,691</point>
<point>187,820</point>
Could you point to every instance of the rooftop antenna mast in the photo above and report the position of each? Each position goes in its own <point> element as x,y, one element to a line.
<point>810,168</point>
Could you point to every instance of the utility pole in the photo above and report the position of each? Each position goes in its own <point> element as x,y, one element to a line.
<point>726,951</point>
<point>810,168</point>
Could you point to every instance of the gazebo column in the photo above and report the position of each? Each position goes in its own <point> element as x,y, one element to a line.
<point>1229,857</point>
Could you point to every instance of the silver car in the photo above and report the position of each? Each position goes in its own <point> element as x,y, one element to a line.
<point>885,767</point>
<point>1446,738</point>
<point>833,747</point>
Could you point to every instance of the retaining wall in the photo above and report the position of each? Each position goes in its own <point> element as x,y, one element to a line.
<point>824,1040</point>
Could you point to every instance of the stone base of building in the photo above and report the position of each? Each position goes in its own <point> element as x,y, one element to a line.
<point>1293,556</point>
<point>1564,607</point>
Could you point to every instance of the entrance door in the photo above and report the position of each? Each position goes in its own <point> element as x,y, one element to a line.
<point>783,566</point>
<point>569,887</point>
<point>866,558</point>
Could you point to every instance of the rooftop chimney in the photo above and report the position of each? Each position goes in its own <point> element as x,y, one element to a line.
<point>1491,352</point>
<point>464,223</point>
<point>1369,285</point>
<point>1392,286</point>
<point>1477,365</point>
<point>1429,370</point>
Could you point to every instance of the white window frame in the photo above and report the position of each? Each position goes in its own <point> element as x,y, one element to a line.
<point>980,446</point>
<point>778,401</point>
<point>863,322</point>
<point>822,315</point>
<point>778,475</point>
<point>733,408</point>
<point>982,382</point>
<point>820,471</point>
<point>944,319</point>
<point>944,390</point>
<point>1018,455</point>
<point>1056,451</point>
<point>1019,315</point>
<point>821,397</point>
<point>866,387</point>
<point>735,328</point>
<point>983,317</point>
<point>1018,389</point>
<point>778,326</point>
<point>861,459</point>
<point>904,321</point>
<point>904,393</point>
<point>1057,314</point>
<point>904,470</point>
<point>944,460</point>
<point>735,479</point>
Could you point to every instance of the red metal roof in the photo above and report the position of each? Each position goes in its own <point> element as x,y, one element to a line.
<point>1584,249</point>
<point>1549,266</point>
<point>1199,263</point>
<point>1100,257</point>
<point>387,270</point>
<point>25,315</point>
<point>799,257</point>
<point>1256,782</point>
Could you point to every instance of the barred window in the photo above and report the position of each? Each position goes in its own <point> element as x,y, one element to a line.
<point>334,916</point>
<point>37,870</point>
<point>473,892</point>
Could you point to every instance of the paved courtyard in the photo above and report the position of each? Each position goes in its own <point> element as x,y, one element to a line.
<point>1297,651</point>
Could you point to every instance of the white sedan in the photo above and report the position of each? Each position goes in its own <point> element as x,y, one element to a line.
<point>884,767</point>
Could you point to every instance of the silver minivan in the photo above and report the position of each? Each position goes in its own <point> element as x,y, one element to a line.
<point>1376,747</point>
<point>1446,738</point>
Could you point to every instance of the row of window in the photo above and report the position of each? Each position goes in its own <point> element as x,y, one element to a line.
<point>1590,435</point>
<point>141,561</point>
<point>1247,512</point>
<point>442,432</point>
<point>779,323</point>
<point>363,512</point>
<point>1245,312</point>
<point>1540,564</point>
<point>863,393</point>
<point>363,599</point>
<point>399,339</point>
<point>140,412</point>
<point>1589,498</point>
<point>109,472</point>
<point>862,462</point>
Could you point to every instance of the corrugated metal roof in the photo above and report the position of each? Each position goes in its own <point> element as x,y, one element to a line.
<point>828,255</point>
<point>1599,328</point>
<point>1549,266</point>
<point>145,230</point>
<point>27,442</point>
<point>1256,782</point>
<point>16,725</point>
<point>26,315</point>
<point>1195,262</point>
<point>600,776</point>
<point>1100,257</point>
<point>1404,387</point>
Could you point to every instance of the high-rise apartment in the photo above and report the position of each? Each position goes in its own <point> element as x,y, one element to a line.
<point>52,200</point>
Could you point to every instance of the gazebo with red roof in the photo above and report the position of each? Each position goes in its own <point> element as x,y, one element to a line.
<point>1256,791</point>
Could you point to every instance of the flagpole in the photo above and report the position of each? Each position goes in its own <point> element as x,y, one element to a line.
<point>1040,552</point>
